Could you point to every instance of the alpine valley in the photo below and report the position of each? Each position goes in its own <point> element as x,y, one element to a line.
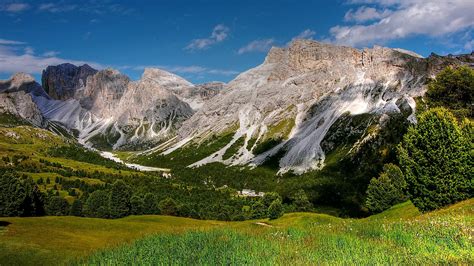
<point>308,130</point>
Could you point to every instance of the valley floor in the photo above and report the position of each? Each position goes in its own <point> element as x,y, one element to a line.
<point>399,235</point>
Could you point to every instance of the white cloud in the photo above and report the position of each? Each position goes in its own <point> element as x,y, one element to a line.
<point>10,42</point>
<point>306,34</point>
<point>12,60</point>
<point>406,18</point>
<point>219,34</point>
<point>29,50</point>
<point>193,69</point>
<point>364,13</point>
<point>54,8</point>
<point>262,45</point>
<point>15,7</point>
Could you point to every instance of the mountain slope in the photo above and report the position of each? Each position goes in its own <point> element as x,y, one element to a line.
<point>286,106</point>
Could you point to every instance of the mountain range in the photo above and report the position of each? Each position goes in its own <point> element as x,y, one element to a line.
<point>304,102</point>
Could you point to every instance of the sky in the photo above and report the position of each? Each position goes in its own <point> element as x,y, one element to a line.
<point>212,40</point>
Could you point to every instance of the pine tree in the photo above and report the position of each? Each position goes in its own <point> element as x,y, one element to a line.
<point>436,157</point>
<point>76,208</point>
<point>149,204</point>
<point>97,204</point>
<point>120,195</point>
<point>136,203</point>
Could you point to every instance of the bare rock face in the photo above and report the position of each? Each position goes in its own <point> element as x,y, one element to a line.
<point>298,93</point>
<point>16,98</point>
<point>110,110</point>
<point>62,81</point>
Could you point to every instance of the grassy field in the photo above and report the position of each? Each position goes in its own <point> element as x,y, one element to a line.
<point>399,235</point>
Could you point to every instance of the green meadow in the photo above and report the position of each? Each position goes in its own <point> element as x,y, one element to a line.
<point>400,235</point>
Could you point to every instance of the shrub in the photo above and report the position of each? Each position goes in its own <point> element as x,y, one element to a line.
<point>436,158</point>
<point>301,201</point>
<point>275,210</point>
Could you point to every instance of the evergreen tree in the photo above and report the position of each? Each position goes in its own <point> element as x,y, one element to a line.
<point>57,206</point>
<point>76,208</point>
<point>149,204</point>
<point>120,195</point>
<point>168,207</point>
<point>436,157</point>
<point>97,205</point>
<point>275,210</point>
<point>136,203</point>
<point>12,194</point>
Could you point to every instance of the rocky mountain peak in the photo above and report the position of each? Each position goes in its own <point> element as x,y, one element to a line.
<point>62,81</point>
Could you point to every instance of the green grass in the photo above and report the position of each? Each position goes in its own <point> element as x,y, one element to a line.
<point>400,235</point>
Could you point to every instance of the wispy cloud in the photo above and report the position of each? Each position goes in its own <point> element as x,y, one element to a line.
<point>56,8</point>
<point>10,42</point>
<point>397,19</point>
<point>15,7</point>
<point>262,45</point>
<point>13,59</point>
<point>219,34</point>
<point>192,69</point>
<point>306,34</point>
<point>364,13</point>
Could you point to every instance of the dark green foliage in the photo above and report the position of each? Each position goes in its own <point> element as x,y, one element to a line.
<point>76,208</point>
<point>19,196</point>
<point>149,204</point>
<point>436,157</point>
<point>275,210</point>
<point>97,205</point>
<point>137,205</point>
<point>381,194</point>
<point>301,202</point>
<point>269,198</point>
<point>258,210</point>
<point>57,206</point>
<point>83,155</point>
<point>453,88</point>
<point>120,199</point>
<point>168,207</point>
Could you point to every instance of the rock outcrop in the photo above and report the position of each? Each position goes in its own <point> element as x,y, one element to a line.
<point>62,81</point>
<point>16,98</point>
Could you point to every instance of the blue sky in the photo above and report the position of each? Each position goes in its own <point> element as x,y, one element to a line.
<point>215,40</point>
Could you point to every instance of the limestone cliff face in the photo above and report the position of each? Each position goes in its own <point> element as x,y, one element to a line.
<point>308,86</point>
<point>110,110</point>
<point>62,81</point>
<point>16,98</point>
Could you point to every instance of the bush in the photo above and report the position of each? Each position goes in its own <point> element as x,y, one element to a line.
<point>275,210</point>
<point>168,207</point>
<point>301,202</point>
<point>436,157</point>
